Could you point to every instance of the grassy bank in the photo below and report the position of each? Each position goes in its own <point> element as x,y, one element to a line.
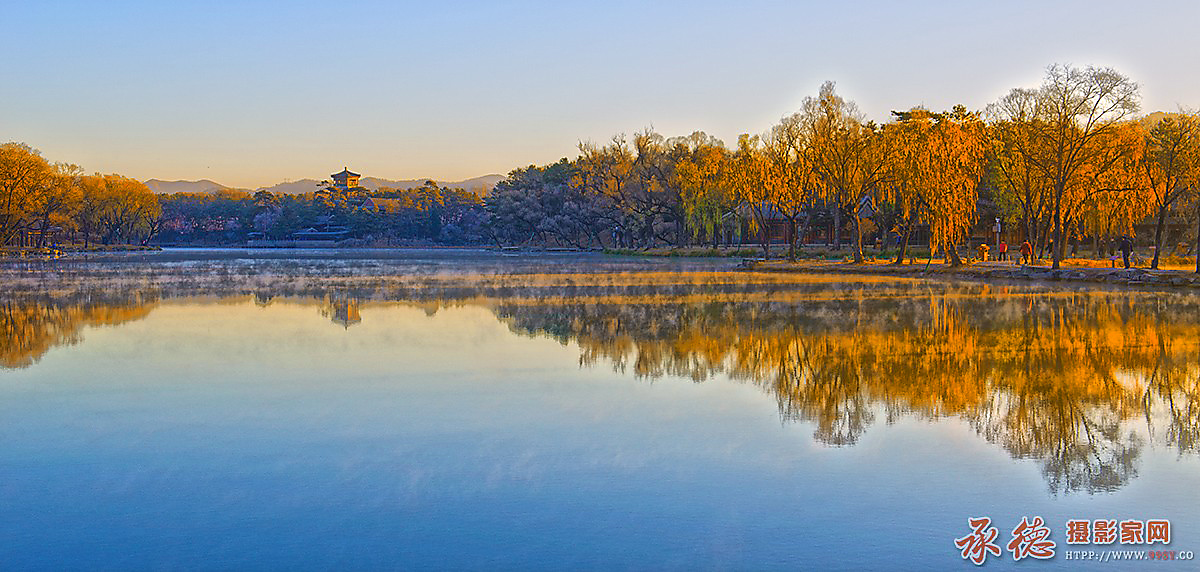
<point>1072,270</point>
<point>31,252</point>
<point>749,251</point>
<point>688,251</point>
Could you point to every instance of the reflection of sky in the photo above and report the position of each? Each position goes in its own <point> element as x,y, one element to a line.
<point>235,435</point>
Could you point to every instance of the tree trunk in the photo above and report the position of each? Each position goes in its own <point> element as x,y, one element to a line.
<point>858,250</point>
<point>1058,234</point>
<point>952,252</point>
<point>1158,234</point>
<point>1044,235</point>
<point>803,233</point>
<point>837,228</point>
<point>1030,233</point>
<point>765,235</point>
<point>900,252</point>
<point>904,242</point>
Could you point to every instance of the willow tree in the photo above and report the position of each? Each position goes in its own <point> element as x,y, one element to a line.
<point>118,208</point>
<point>1118,196</point>
<point>756,183</point>
<point>55,201</point>
<point>706,202</point>
<point>1112,193</point>
<point>1172,167</point>
<point>903,189</point>
<point>848,156</point>
<point>940,157</point>
<point>24,176</point>
<point>788,148</point>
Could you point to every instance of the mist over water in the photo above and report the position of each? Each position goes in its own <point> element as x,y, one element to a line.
<point>213,409</point>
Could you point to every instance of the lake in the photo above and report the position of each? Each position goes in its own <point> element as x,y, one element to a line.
<point>453,409</point>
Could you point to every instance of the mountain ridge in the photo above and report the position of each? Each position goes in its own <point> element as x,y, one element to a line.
<point>482,184</point>
<point>182,186</point>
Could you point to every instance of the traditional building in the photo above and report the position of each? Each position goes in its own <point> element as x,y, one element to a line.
<point>376,204</point>
<point>342,311</point>
<point>345,180</point>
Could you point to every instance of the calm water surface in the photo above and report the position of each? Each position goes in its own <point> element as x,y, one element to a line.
<point>426,409</point>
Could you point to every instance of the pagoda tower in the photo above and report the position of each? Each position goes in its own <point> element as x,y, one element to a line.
<point>345,180</point>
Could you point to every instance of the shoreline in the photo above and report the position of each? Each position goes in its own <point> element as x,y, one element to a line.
<point>989,272</point>
<point>51,252</point>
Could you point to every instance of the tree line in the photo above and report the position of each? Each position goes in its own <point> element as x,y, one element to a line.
<point>42,201</point>
<point>1066,162</point>
<point>428,214</point>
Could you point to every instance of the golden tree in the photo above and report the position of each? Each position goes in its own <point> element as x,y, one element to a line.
<point>607,171</point>
<point>706,202</point>
<point>940,158</point>
<point>1172,166</point>
<point>24,176</point>
<point>757,184</point>
<point>848,156</point>
<point>1075,113</point>
<point>788,147</point>
<point>55,203</point>
<point>1113,193</point>
<point>117,208</point>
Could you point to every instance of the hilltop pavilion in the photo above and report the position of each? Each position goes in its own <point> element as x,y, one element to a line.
<point>345,180</point>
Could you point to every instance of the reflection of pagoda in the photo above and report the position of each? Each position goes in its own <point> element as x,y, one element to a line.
<point>345,180</point>
<point>342,312</point>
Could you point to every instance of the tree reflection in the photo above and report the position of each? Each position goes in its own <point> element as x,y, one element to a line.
<point>1079,381</point>
<point>341,310</point>
<point>1075,380</point>
<point>30,327</point>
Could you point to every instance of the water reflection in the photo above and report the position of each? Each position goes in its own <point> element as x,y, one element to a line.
<point>1080,381</point>
<point>342,311</point>
<point>30,326</point>
<point>1077,381</point>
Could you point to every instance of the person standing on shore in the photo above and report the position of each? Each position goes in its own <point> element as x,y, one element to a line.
<point>1026,253</point>
<point>1002,251</point>
<point>1126,249</point>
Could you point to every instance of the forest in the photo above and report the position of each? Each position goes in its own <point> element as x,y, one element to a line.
<point>1068,165</point>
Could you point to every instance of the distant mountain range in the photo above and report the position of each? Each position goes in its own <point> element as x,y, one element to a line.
<point>482,185</point>
<point>171,187</point>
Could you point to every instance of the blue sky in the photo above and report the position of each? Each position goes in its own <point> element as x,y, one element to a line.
<point>252,93</point>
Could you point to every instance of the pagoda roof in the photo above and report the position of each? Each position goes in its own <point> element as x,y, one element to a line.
<point>345,173</point>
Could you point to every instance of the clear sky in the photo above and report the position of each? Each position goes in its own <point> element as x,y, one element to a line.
<point>252,93</point>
